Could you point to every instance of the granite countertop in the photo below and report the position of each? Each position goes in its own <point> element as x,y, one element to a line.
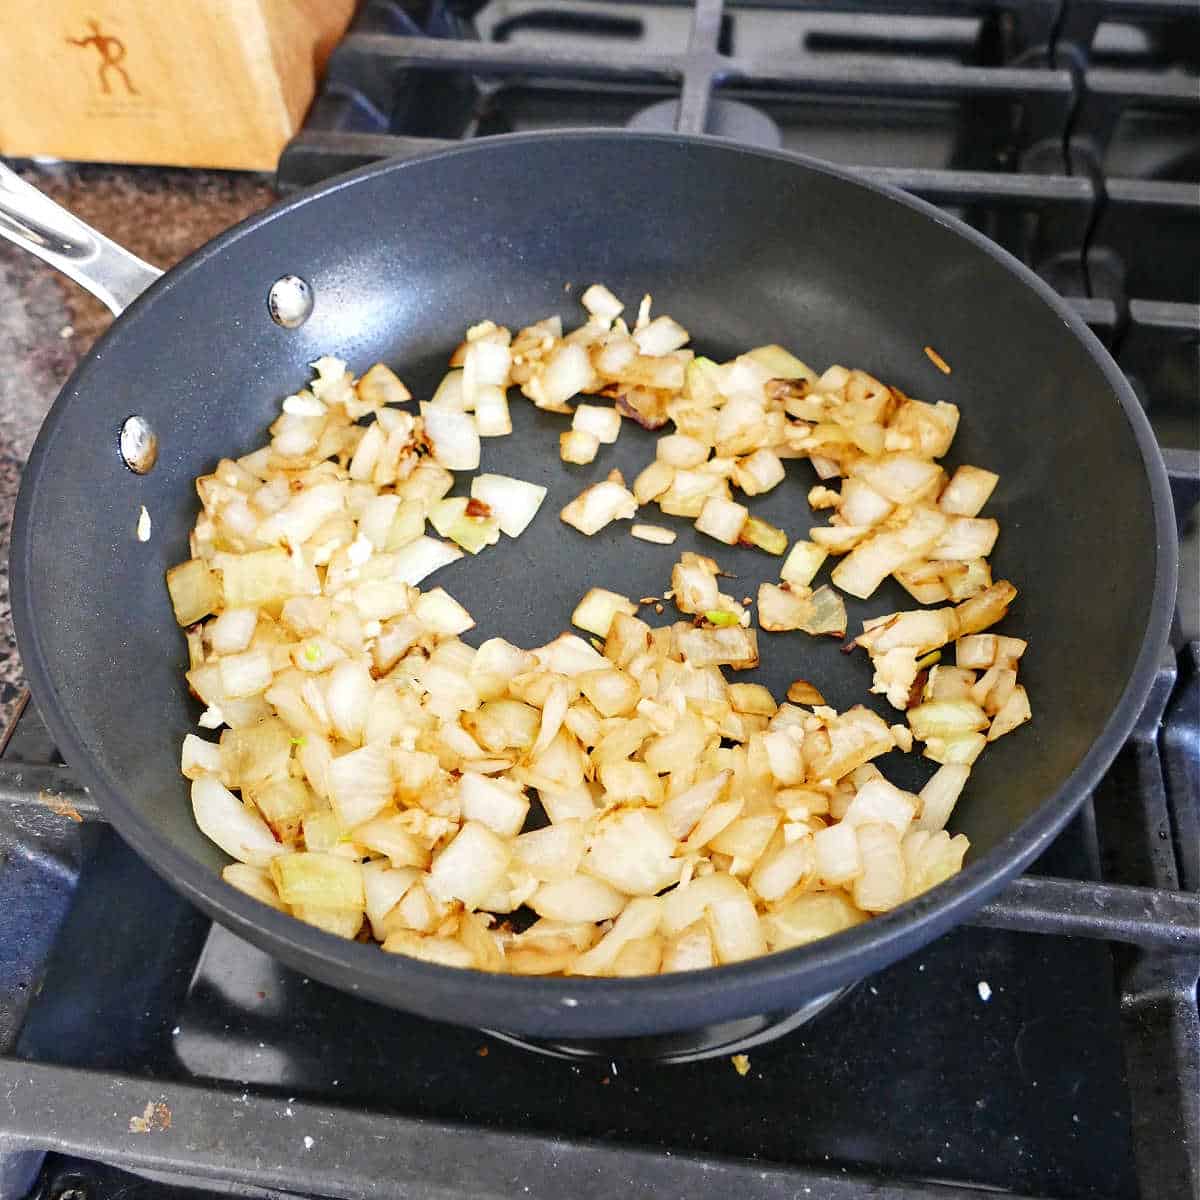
<point>47,322</point>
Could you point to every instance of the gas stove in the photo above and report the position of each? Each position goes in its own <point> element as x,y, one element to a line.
<point>1051,1048</point>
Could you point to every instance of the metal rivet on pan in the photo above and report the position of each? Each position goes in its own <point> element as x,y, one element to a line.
<point>139,445</point>
<point>290,301</point>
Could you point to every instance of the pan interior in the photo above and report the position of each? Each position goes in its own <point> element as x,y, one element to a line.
<point>742,249</point>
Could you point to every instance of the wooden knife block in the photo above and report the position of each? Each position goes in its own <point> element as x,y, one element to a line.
<point>198,83</point>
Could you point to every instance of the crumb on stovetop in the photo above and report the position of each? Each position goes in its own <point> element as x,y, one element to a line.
<point>154,1118</point>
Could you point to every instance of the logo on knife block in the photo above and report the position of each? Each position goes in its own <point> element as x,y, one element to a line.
<point>112,55</point>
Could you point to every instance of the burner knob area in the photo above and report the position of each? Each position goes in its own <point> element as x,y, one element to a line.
<point>726,118</point>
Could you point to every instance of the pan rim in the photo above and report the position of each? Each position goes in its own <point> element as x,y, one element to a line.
<point>612,1007</point>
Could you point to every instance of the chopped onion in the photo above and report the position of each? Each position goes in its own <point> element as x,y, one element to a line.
<point>223,819</point>
<point>599,505</point>
<point>348,693</point>
<point>966,538</point>
<point>470,866</point>
<point>682,812</point>
<point>600,302</point>
<point>782,608</point>
<point>303,515</point>
<point>694,584</point>
<point>780,364</point>
<point>874,559</point>
<point>449,393</point>
<point>680,451</point>
<point>986,608</point>
<point>722,519</point>
<point>456,518</point>
<point>246,674</point>
<point>319,880</point>
<point>802,563</point>
<point>784,757</point>
<point>492,417</point>
<point>553,853</point>
<point>566,373</point>
<point>730,914</point>
<point>688,491</point>
<point>735,647</point>
<point>633,851</point>
<point>439,612</point>
<point>779,872</point>
<point>604,424</point>
<point>381,385</point>
<point>569,655</point>
<point>499,805</point>
<point>661,336</point>
<point>861,504</point>
<point>254,882</point>
<point>940,794</point>
<point>654,533</point>
<point>1016,711</point>
<point>837,856</point>
<point>383,888</point>
<point>233,630</point>
<point>880,802</point>
<point>902,478</point>
<point>486,364</point>
<point>199,757</point>
<point>881,885</point>
<point>800,691</point>
<point>453,437</point>
<point>946,718</point>
<point>759,472</point>
<point>427,483</point>
<point>195,591</point>
<point>615,355</point>
<point>514,502</point>
<point>579,898</point>
<point>360,784</point>
<point>635,926</point>
<point>828,615</point>
<point>596,610</point>
<point>578,447</point>
<point>808,918</point>
<point>968,491</point>
<point>756,532</point>
<point>420,558</point>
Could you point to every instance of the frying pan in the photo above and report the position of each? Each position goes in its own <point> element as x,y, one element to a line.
<point>741,246</point>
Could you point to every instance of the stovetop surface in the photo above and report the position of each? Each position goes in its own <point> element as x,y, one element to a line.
<point>913,1073</point>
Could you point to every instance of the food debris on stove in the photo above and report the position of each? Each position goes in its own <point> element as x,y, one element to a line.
<point>154,1118</point>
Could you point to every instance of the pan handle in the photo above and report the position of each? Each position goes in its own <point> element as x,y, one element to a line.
<point>34,222</point>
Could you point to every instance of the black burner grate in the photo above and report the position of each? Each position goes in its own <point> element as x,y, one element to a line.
<point>994,109</point>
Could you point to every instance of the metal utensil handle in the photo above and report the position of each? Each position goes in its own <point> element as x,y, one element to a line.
<point>34,222</point>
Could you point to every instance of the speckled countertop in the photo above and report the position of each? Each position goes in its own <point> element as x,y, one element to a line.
<point>46,322</point>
